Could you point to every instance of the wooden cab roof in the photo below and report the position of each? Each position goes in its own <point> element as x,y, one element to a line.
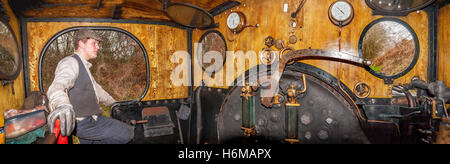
<point>116,9</point>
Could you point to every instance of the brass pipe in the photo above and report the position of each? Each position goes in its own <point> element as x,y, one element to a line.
<point>304,84</point>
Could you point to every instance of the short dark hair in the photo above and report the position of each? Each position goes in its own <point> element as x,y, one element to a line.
<point>84,35</point>
<point>78,40</point>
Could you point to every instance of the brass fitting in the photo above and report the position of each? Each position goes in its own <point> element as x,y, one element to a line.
<point>292,95</point>
<point>249,131</point>
<point>276,100</point>
<point>292,141</point>
<point>247,91</point>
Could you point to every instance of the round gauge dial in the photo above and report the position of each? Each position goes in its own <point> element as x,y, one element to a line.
<point>233,20</point>
<point>341,13</point>
<point>236,22</point>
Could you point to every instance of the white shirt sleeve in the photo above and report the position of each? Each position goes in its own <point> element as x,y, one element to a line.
<point>66,74</point>
<point>103,96</point>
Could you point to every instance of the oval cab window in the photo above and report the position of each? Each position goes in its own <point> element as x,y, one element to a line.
<point>391,45</point>
<point>120,65</point>
<point>10,57</point>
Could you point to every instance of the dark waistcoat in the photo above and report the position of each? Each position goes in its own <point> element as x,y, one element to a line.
<point>82,95</point>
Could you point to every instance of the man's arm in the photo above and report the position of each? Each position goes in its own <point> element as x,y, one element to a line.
<point>103,96</point>
<point>65,75</point>
<point>59,104</point>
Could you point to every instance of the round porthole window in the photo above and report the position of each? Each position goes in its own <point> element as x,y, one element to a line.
<point>392,46</point>
<point>212,51</point>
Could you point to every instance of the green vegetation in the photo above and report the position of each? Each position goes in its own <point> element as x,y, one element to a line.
<point>375,68</point>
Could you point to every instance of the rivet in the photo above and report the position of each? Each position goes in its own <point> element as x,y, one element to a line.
<point>308,135</point>
<point>261,122</point>
<point>305,119</point>
<point>237,117</point>
<point>323,135</point>
<point>329,121</point>
<point>275,116</point>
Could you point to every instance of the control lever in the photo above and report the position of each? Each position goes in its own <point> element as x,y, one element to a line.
<point>437,89</point>
<point>134,122</point>
<point>294,15</point>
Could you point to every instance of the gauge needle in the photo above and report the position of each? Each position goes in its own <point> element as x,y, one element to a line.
<point>340,10</point>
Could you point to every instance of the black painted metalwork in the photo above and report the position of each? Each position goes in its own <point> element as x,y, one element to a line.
<point>223,7</point>
<point>403,11</point>
<point>117,12</point>
<point>444,3</point>
<point>433,17</point>
<point>324,116</point>
<point>130,112</point>
<point>19,6</point>
<point>24,43</point>
<point>206,17</point>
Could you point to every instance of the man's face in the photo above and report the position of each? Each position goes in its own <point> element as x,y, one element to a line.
<point>90,48</point>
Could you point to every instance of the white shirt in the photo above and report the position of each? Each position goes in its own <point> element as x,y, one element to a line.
<point>66,74</point>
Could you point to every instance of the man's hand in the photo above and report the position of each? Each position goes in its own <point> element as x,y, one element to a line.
<point>66,117</point>
<point>114,105</point>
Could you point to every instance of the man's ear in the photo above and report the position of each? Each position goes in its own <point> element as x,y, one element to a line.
<point>80,43</point>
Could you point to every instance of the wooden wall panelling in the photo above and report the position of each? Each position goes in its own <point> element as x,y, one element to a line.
<point>160,42</point>
<point>318,32</point>
<point>8,100</point>
<point>444,45</point>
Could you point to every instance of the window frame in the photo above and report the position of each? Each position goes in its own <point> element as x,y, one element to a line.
<point>389,79</point>
<point>404,12</point>
<point>54,37</point>
<point>200,53</point>
<point>13,76</point>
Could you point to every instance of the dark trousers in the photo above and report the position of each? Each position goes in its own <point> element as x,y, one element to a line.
<point>104,130</point>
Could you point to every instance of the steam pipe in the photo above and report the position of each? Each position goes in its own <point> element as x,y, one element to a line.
<point>409,97</point>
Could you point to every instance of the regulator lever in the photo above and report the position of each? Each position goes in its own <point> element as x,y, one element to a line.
<point>294,15</point>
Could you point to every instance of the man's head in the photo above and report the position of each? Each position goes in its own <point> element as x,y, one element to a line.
<point>86,43</point>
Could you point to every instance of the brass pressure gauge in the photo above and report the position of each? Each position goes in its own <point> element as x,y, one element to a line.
<point>341,13</point>
<point>237,22</point>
